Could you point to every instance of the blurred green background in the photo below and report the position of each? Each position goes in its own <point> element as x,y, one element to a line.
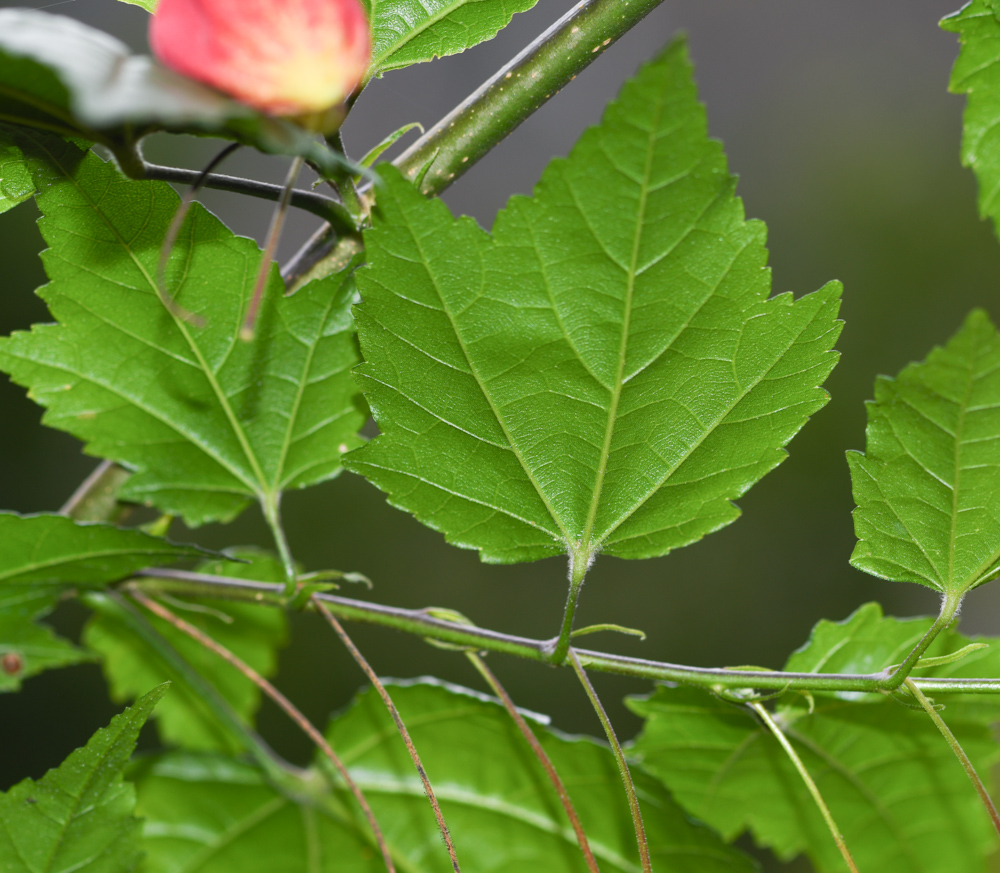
<point>836,117</point>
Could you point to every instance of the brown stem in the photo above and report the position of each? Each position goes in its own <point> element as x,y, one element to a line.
<point>616,747</point>
<point>290,709</point>
<point>546,762</point>
<point>400,726</point>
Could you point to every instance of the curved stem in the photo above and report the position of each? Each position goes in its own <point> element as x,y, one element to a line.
<point>956,747</point>
<point>616,747</point>
<point>546,762</point>
<point>272,515</point>
<point>838,837</point>
<point>422,623</point>
<point>400,726</point>
<point>949,607</point>
<point>318,204</point>
<point>289,708</point>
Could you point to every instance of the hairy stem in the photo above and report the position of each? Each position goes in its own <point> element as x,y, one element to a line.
<point>546,762</point>
<point>400,726</point>
<point>424,624</point>
<point>949,607</point>
<point>116,607</point>
<point>956,747</point>
<point>578,571</point>
<point>838,837</point>
<point>318,204</point>
<point>616,747</point>
<point>289,708</point>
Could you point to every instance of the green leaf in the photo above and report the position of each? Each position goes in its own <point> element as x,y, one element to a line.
<point>78,817</point>
<point>15,180</point>
<point>892,783</point>
<point>977,74</point>
<point>408,32</point>
<point>148,5</point>
<point>928,485</point>
<point>206,421</point>
<point>60,75</point>
<point>44,556</point>
<point>253,633</point>
<point>603,373</point>
<point>220,815</point>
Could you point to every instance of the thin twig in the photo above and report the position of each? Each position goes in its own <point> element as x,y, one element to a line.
<point>956,747</point>
<point>838,837</point>
<point>400,726</point>
<point>173,231</point>
<point>423,624</point>
<point>290,709</point>
<point>546,762</point>
<point>270,247</point>
<point>309,201</point>
<point>616,747</point>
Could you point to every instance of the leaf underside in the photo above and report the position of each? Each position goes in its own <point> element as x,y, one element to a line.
<point>602,373</point>
<point>977,74</point>
<point>207,421</point>
<point>78,816</point>
<point>16,185</point>
<point>42,557</point>
<point>406,32</point>
<point>928,485</point>
<point>253,633</point>
<point>500,806</point>
<point>901,800</point>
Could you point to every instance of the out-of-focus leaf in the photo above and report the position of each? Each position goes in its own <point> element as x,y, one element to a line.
<point>79,816</point>
<point>148,5</point>
<point>499,805</point>
<point>253,633</point>
<point>928,485</point>
<point>60,75</point>
<point>207,422</point>
<point>408,32</point>
<point>605,372</point>
<point>892,783</point>
<point>44,556</point>
<point>977,74</point>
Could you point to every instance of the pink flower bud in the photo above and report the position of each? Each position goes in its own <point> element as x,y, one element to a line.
<point>282,57</point>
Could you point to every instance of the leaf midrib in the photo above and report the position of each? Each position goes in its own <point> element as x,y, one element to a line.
<point>651,140</point>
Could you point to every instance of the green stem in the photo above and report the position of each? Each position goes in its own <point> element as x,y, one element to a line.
<point>838,837</point>
<point>578,571</point>
<point>949,607</point>
<point>422,623</point>
<point>272,515</point>
<point>116,607</point>
<point>616,747</point>
<point>457,142</point>
<point>956,747</point>
<point>518,89</point>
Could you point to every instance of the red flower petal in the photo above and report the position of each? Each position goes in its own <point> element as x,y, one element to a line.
<point>283,57</point>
